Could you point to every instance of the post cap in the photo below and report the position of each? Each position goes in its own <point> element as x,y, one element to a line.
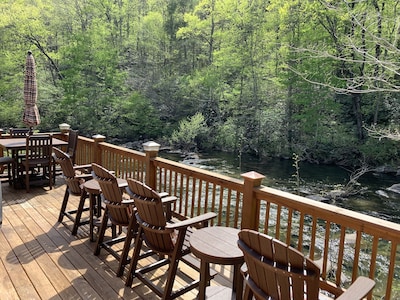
<point>98,137</point>
<point>151,146</point>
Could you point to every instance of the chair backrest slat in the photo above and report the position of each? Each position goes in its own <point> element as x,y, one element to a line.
<point>67,168</point>
<point>72,144</point>
<point>151,217</point>
<point>38,147</point>
<point>108,184</point>
<point>118,212</point>
<point>277,270</point>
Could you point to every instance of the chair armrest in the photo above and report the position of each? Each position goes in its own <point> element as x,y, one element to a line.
<point>128,201</point>
<point>168,200</point>
<point>192,221</point>
<point>163,194</point>
<point>81,167</point>
<point>358,289</point>
<point>84,176</point>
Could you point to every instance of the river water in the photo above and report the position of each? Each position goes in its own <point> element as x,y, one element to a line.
<point>279,173</point>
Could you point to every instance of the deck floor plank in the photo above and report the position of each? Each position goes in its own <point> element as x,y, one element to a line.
<point>46,257</point>
<point>31,254</point>
<point>40,259</point>
<point>7,269</point>
<point>12,262</point>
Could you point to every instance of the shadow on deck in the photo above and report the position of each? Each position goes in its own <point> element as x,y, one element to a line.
<point>40,259</point>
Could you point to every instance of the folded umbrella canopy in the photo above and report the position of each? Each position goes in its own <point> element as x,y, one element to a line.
<point>31,113</point>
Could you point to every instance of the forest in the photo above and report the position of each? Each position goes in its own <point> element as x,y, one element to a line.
<point>318,78</point>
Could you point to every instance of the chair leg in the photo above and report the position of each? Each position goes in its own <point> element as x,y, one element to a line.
<point>13,175</point>
<point>27,179</point>
<point>173,267</point>
<point>78,215</point>
<point>131,231</point>
<point>135,258</point>
<point>63,205</point>
<point>9,167</point>
<point>102,231</point>
<point>50,176</point>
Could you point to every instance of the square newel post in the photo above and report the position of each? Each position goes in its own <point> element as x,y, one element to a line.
<point>250,209</point>
<point>98,138</point>
<point>151,149</point>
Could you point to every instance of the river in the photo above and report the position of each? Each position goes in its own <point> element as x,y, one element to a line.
<point>279,173</point>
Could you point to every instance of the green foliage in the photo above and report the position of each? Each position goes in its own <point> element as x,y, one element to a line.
<point>269,78</point>
<point>380,152</point>
<point>190,133</point>
<point>296,165</point>
<point>138,120</point>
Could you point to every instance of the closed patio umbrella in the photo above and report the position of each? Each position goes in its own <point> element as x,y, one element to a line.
<point>31,113</point>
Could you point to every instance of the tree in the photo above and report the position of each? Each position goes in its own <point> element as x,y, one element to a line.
<point>189,133</point>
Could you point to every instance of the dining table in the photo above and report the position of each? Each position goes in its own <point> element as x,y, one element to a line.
<point>15,145</point>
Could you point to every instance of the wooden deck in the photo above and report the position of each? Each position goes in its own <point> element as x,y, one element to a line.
<point>40,259</point>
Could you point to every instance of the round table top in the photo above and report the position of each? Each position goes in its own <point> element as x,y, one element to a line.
<point>93,187</point>
<point>217,244</point>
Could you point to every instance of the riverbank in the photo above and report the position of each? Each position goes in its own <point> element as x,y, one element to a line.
<point>375,197</point>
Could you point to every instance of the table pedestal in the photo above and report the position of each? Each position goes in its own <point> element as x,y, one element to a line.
<point>217,245</point>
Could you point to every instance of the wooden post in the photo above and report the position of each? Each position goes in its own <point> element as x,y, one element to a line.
<point>98,138</point>
<point>151,149</point>
<point>250,209</point>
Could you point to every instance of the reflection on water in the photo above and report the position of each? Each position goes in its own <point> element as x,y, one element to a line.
<point>279,174</point>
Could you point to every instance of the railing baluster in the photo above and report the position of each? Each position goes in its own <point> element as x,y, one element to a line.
<point>393,254</point>
<point>237,207</point>
<point>220,205</point>
<point>340,255</point>
<point>228,208</point>
<point>192,196</point>
<point>313,237</point>
<point>213,199</point>
<point>326,249</point>
<point>301,231</point>
<point>200,200</point>
<point>206,208</point>
<point>278,222</point>
<point>289,226</point>
<point>356,255</point>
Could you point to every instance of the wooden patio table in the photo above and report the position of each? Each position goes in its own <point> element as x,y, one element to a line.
<point>19,144</point>
<point>92,187</point>
<point>217,245</point>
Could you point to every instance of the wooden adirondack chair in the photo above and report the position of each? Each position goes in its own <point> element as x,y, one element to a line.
<point>71,152</point>
<point>280,272</point>
<point>74,179</point>
<point>162,237</point>
<point>120,212</point>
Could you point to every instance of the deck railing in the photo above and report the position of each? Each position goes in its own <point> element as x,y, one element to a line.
<point>345,244</point>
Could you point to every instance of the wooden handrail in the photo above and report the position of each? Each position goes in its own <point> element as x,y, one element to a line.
<point>346,244</point>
